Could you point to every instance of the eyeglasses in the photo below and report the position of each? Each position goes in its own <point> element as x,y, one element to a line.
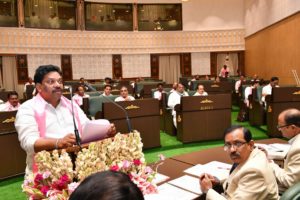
<point>52,81</point>
<point>282,126</point>
<point>236,145</point>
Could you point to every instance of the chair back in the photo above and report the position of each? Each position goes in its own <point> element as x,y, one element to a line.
<point>293,193</point>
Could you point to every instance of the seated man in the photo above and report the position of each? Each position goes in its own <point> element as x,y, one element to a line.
<point>200,91</point>
<point>45,122</point>
<point>267,90</point>
<point>107,81</point>
<point>12,103</point>
<point>124,95</point>
<point>106,185</point>
<point>289,125</point>
<point>107,91</point>
<point>251,176</point>
<point>158,94</point>
<point>248,91</point>
<point>174,87</point>
<point>175,98</point>
<point>78,97</point>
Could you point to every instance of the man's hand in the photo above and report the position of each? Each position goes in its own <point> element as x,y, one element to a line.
<point>67,141</point>
<point>112,130</point>
<point>206,182</point>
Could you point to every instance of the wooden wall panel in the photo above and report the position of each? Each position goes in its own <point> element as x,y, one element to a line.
<point>154,65</point>
<point>22,68</point>
<point>66,67</point>
<point>275,51</point>
<point>186,64</point>
<point>117,66</point>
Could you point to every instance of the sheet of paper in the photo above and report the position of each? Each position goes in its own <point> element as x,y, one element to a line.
<point>170,192</point>
<point>188,183</point>
<point>160,178</point>
<point>215,168</point>
<point>95,130</point>
<point>282,147</point>
<point>275,151</point>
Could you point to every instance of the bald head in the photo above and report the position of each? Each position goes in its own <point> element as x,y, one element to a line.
<point>289,122</point>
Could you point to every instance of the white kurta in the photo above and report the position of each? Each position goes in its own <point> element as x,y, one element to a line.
<point>59,123</point>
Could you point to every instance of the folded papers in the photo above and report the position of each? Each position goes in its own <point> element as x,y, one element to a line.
<point>95,130</point>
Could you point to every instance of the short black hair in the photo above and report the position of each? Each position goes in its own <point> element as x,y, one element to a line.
<point>108,86</point>
<point>274,78</point>
<point>107,185</point>
<point>12,93</point>
<point>292,117</point>
<point>77,88</point>
<point>42,70</point>
<point>246,132</point>
<point>158,84</point>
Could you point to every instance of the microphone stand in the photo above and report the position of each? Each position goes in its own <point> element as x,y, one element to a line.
<point>78,140</point>
<point>126,114</point>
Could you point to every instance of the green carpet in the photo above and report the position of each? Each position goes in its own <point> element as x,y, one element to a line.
<point>11,189</point>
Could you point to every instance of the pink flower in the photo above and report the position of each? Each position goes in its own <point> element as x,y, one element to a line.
<point>148,170</point>
<point>46,174</point>
<point>45,189</point>
<point>38,178</point>
<point>64,178</point>
<point>114,168</point>
<point>72,187</point>
<point>137,162</point>
<point>126,164</point>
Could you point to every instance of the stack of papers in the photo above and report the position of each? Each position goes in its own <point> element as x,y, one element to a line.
<point>214,168</point>
<point>169,192</point>
<point>275,151</point>
<point>188,183</point>
<point>160,178</point>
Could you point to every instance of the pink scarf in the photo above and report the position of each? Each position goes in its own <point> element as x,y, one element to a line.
<point>40,116</point>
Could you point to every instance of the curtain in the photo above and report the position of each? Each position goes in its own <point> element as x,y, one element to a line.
<point>231,60</point>
<point>169,68</point>
<point>10,78</point>
<point>153,12</point>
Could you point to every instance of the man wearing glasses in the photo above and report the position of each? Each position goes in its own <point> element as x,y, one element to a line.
<point>45,122</point>
<point>250,177</point>
<point>124,95</point>
<point>289,125</point>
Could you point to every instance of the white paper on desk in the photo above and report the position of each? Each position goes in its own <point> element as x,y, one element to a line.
<point>170,192</point>
<point>160,178</point>
<point>95,130</point>
<point>188,183</point>
<point>275,151</point>
<point>215,168</point>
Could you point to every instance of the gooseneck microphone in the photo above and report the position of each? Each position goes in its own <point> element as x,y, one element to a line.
<point>78,140</point>
<point>126,114</point>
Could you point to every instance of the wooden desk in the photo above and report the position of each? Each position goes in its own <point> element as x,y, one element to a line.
<point>216,153</point>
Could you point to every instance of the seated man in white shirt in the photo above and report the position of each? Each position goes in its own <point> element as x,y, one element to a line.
<point>107,91</point>
<point>124,95</point>
<point>267,90</point>
<point>158,94</point>
<point>175,98</point>
<point>78,97</point>
<point>200,91</point>
<point>248,91</point>
<point>12,103</point>
<point>174,87</point>
<point>289,126</point>
<point>45,122</point>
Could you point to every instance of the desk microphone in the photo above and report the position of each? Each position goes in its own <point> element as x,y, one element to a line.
<point>78,140</point>
<point>126,114</point>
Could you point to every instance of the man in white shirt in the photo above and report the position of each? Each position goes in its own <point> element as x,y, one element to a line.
<point>289,125</point>
<point>267,90</point>
<point>78,97</point>
<point>248,91</point>
<point>175,98</point>
<point>158,94</point>
<point>174,87</point>
<point>45,122</point>
<point>124,95</point>
<point>107,91</point>
<point>238,83</point>
<point>12,103</point>
<point>200,91</point>
<point>30,82</point>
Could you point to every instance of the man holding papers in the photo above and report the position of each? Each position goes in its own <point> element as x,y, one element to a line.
<point>289,125</point>
<point>45,122</point>
<point>250,177</point>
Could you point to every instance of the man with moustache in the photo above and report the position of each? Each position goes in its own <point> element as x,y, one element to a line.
<point>289,125</point>
<point>250,177</point>
<point>45,122</point>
